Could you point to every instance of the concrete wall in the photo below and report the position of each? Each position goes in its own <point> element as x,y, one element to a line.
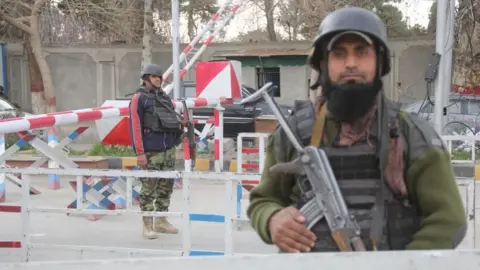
<point>87,76</point>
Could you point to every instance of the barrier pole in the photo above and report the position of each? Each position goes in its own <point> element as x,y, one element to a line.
<point>53,180</point>
<point>25,214</point>
<point>3,196</point>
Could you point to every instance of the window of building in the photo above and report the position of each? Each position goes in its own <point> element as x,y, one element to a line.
<point>265,75</point>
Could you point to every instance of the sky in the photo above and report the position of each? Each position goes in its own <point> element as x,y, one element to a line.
<point>415,11</point>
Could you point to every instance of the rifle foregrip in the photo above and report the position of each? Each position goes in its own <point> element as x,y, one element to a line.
<point>312,213</point>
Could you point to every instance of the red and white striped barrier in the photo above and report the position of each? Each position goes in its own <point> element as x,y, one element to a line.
<point>13,125</point>
<point>102,114</point>
<point>257,166</point>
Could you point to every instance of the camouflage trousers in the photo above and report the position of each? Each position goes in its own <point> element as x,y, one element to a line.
<point>156,192</point>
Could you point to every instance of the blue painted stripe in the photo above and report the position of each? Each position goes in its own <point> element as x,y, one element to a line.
<point>207,218</point>
<point>120,201</point>
<point>53,178</point>
<point>2,187</point>
<point>2,139</point>
<point>239,199</point>
<point>205,253</point>
<point>21,143</point>
<point>73,135</point>
<point>52,137</point>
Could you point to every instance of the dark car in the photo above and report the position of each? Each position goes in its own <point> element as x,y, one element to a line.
<point>236,118</point>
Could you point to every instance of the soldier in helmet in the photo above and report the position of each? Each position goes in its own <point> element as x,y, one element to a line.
<point>392,167</point>
<point>155,130</point>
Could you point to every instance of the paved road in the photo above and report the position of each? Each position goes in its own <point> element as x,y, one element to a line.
<point>120,231</point>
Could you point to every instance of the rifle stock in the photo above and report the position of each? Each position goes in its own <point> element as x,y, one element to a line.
<point>326,200</point>
<point>190,135</point>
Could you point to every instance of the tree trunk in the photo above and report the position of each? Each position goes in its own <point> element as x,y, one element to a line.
<point>466,62</point>
<point>269,8</point>
<point>37,51</point>
<point>190,22</point>
<point>147,34</point>
<point>38,103</point>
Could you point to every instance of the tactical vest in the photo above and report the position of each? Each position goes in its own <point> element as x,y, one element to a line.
<point>161,116</point>
<point>385,222</point>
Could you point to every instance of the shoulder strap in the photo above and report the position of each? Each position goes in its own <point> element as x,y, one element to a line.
<point>318,126</point>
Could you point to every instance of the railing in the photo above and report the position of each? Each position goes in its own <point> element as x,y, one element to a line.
<point>26,208</point>
<point>392,260</point>
<point>467,142</point>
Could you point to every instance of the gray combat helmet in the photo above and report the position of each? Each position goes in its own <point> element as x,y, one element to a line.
<point>352,19</point>
<point>151,69</point>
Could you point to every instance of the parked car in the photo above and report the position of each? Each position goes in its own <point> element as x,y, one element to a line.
<point>236,118</point>
<point>463,113</point>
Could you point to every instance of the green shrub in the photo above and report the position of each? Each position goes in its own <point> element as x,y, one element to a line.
<point>99,149</point>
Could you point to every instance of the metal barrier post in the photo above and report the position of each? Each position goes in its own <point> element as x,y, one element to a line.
<point>240,166</point>
<point>2,175</point>
<point>25,213</point>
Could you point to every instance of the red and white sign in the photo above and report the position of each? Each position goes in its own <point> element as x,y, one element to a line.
<point>218,79</point>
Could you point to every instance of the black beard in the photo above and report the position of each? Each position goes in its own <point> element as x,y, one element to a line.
<point>351,101</point>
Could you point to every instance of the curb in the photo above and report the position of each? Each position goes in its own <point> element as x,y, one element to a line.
<point>201,164</point>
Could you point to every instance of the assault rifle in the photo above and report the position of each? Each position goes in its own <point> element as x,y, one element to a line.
<point>190,134</point>
<point>326,199</point>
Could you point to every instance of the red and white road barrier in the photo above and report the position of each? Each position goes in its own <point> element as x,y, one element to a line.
<point>83,117</point>
<point>256,166</point>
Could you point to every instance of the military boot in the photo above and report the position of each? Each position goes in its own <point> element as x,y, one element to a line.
<point>163,226</point>
<point>148,231</point>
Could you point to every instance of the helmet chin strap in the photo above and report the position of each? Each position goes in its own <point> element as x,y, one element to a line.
<point>155,87</point>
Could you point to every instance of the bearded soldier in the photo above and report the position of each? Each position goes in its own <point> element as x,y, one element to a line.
<point>392,167</point>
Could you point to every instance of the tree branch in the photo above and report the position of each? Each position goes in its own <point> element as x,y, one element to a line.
<point>23,19</point>
<point>23,5</point>
<point>15,23</point>
<point>37,5</point>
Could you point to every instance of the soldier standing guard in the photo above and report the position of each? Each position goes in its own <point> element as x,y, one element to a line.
<point>392,167</point>
<point>155,131</point>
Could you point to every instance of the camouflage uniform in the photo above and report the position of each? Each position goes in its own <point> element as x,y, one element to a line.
<point>156,192</point>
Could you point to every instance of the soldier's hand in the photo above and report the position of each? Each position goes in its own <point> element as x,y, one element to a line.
<point>142,161</point>
<point>289,232</point>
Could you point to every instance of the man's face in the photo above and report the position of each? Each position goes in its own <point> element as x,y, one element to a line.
<point>155,80</point>
<point>352,59</point>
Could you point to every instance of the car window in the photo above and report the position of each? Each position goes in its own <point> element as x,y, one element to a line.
<point>471,107</point>
<point>5,105</point>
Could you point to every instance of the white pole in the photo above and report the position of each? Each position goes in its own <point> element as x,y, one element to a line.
<point>448,49</point>
<point>176,48</point>
<point>440,49</point>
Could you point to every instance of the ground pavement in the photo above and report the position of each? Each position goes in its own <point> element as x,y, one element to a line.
<point>120,231</point>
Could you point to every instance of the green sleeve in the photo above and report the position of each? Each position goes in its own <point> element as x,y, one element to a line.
<point>270,196</point>
<point>432,181</point>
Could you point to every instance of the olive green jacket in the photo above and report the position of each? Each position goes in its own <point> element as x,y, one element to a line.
<point>428,174</point>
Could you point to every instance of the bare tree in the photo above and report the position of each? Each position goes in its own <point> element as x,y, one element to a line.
<point>467,51</point>
<point>147,34</point>
<point>25,16</point>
